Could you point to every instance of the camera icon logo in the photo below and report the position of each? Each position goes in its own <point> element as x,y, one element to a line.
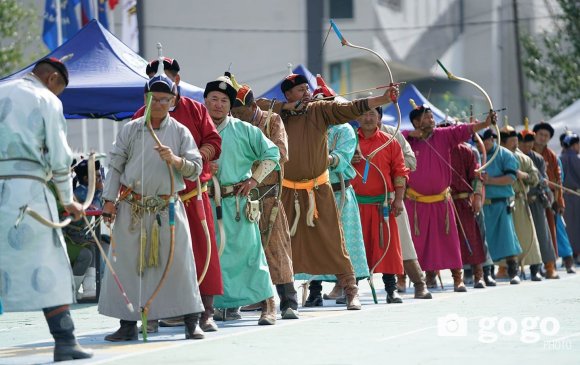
<point>452,325</point>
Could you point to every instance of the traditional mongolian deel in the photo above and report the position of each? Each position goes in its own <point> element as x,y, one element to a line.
<point>136,164</point>
<point>431,214</point>
<point>378,235</point>
<point>32,144</point>
<point>499,225</point>
<point>195,117</point>
<point>342,145</point>
<point>245,271</point>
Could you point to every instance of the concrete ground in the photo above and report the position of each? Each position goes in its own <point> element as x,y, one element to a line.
<point>509,324</point>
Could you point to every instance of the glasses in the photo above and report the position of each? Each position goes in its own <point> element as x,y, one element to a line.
<point>162,101</point>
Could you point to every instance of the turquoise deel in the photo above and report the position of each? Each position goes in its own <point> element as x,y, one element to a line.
<point>245,273</point>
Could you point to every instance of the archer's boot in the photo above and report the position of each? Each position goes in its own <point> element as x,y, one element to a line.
<point>206,322</point>
<point>348,284</point>
<point>535,272</point>
<point>468,276</point>
<point>335,293</point>
<point>488,276</point>
<point>268,316</point>
<point>127,332</point>
<point>458,285</point>
<point>478,277</point>
<point>413,269</point>
<point>402,283</point>
<point>192,330</point>
<point>501,273</point>
<point>62,329</point>
<point>569,264</point>
<point>315,294</point>
<point>512,270</point>
<point>551,272</point>
<point>288,300</point>
<point>431,279</point>
<point>391,289</point>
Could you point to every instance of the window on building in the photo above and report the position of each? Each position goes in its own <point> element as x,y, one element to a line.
<point>341,9</point>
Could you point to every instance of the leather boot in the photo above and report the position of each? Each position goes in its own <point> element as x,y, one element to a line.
<point>315,294</point>
<point>488,276</point>
<point>551,272</point>
<point>478,277</point>
<point>512,270</point>
<point>206,322</point>
<point>192,330</point>
<point>402,283</point>
<point>152,326</point>
<point>227,314</point>
<point>335,293</point>
<point>569,264</point>
<point>127,332</point>
<point>535,272</point>
<point>171,322</point>
<point>431,279</point>
<point>268,316</point>
<point>458,285</point>
<point>78,280</point>
<point>62,328</point>
<point>468,276</point>
<point>288,300</point>
<point>502,273</point>
<point>413,269</point>
<point>391,289</point>
<point>348,283</point>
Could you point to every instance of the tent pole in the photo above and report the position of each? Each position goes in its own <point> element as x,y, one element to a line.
<point>58,23</point>
<point>84,133</point>
<point>101,136</point>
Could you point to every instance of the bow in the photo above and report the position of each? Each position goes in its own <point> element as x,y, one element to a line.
<point>217,197</point>
<point>344,42</point>
<point>47,222</point>
<point>453,77</point>
<point>145,308</point>
<point>201,214</point>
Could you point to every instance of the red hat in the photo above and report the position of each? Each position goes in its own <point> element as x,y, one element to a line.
<point>322,90</point>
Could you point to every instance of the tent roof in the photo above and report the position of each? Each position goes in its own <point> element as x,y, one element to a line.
<point>567,118</point>
<point>410,92</point>
<point>106,77</point>
<point>276,92</point>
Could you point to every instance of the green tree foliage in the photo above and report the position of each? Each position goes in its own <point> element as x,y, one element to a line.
<point>552,61</point>
<point>18,30</point>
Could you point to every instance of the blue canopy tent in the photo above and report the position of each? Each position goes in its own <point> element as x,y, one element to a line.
<point>276,92</point>
<point>106,76</point>
<point>410,92</point>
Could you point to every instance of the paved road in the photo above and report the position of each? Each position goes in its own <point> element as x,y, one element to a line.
<point>525,324</point>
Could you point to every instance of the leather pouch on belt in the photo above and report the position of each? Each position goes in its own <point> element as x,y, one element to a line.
<point>253,210</point>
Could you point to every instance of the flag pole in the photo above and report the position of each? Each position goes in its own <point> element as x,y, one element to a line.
<point>58,23</point>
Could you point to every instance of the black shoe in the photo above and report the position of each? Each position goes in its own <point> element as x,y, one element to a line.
<point>488,277</point>
<point>512,270</point>
<point>127,332</point>
<point>468,276</point>
<point>394,298</point>
<point>314,300</point>
<point>535,272</point>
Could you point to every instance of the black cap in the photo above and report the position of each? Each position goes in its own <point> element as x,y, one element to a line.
<point>568,139</point>
<point>487,134</point>
<point>293,80</point>
<point>168,64</point>
<point>58,65</point>
<point>418,111</point>
<point>162,84</point>
<point>224,85</point>
<point>546,126</point>
<point>82,169</point>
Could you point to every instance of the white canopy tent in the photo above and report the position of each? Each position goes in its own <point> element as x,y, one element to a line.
<point>568,118</point>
